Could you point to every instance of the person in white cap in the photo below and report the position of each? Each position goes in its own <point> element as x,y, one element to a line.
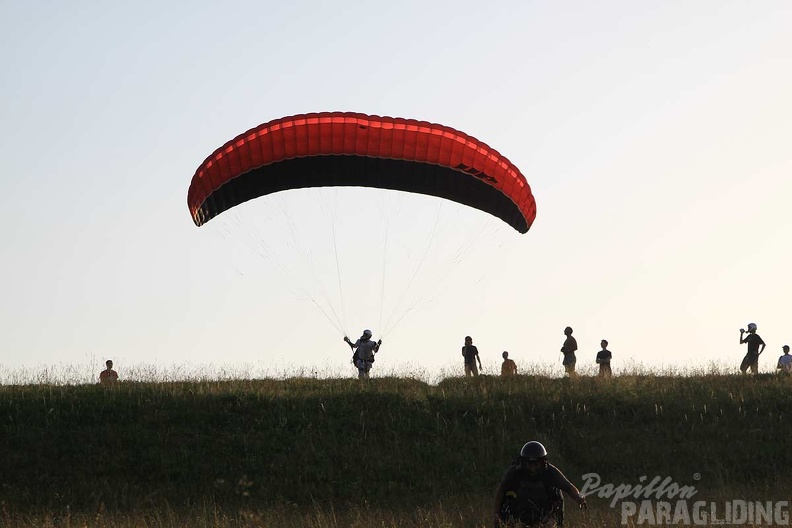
<point>755,348</point>
<point>364,348</point>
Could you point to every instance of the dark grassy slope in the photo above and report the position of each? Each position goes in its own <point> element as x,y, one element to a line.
<point>391,442</point>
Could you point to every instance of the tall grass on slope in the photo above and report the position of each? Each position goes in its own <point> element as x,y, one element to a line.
<point>339,446</point>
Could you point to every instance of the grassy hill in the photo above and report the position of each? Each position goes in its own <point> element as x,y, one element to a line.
<point>332,452</point>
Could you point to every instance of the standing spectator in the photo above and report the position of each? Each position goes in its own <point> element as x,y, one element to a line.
<point>570,345</point>
<point>509,367</point>
<point>108,376</point>
<point>755,348</point>
<point>785,362</point>
<point>604,359</point>
<point>471,355</point>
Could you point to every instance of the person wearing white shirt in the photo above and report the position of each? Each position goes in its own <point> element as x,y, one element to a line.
<point>785,362</point>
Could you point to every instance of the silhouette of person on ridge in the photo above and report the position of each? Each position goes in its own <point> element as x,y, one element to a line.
<point>364,348</point>
<point>108,376</point>
<point>568,349</point>
<point>784,365</point>
<point>604,359</point>
<point>509,367</point>
<point>755,348</point>
<point>471,355</point>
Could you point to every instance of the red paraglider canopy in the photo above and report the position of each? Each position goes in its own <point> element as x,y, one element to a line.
<point>350,149</point>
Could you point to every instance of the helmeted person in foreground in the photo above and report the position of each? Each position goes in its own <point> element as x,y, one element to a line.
<point>364,348</point>
<point>530,492</point>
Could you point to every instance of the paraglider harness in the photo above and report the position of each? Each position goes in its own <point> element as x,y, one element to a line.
<point>522,507</point>
<point>360,363</point>
<point>355,358</point>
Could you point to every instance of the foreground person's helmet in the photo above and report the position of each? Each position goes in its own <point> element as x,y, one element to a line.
<point>533,451</point>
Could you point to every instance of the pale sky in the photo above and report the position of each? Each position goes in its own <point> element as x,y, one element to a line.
<point>655,137</point>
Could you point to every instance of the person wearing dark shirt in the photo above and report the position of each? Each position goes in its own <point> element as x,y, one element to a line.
<point>471,355</point>
<point>531,491</point>
<point>570,345</point>
<point>604,359</point>
<point>755,348</point>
